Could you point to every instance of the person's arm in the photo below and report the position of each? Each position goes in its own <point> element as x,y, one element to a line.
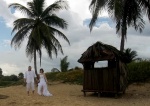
<point>45,78</point>
<point>25,77</point>
<point>35,77</point>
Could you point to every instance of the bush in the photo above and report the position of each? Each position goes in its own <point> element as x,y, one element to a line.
<point>139,71</point>
<point>75,76</point>
<point>52,75</point>
<point>10,78</point>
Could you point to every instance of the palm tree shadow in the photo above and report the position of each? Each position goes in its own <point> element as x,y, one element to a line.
<point>3,96</point>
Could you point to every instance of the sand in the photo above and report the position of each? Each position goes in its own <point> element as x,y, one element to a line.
<point>71,95</point>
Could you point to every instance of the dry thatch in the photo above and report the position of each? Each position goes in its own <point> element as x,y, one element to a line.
<point>99,52</point>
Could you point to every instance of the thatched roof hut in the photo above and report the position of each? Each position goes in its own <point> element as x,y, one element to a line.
<point>99,52</point>
<point>106,79</point>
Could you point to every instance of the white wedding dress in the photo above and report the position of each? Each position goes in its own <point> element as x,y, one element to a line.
<point>42,87</point>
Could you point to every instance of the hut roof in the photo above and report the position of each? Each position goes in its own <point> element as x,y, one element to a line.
<point>99,51</point>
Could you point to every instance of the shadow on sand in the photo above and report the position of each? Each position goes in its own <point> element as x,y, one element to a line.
<point>3,96</point>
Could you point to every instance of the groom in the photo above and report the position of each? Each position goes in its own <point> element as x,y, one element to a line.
<point>29,79</point>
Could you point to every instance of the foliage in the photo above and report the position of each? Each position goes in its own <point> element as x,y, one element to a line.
<point>71,69</point>
<point>130,55</point>
<point>64,64</point>
<point>10,83</point>
<point>126,13</point>
<point>75,76</point>
<point>139,71</point>
<point>55,70</point>
<point>40,28</point>
<point>20,75</point>
<point>52,75</point>
<point>1,72</point>
<point>10,78</point>
<point>77,68</point>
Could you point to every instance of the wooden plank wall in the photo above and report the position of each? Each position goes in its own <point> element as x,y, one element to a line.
<point>100,80</point>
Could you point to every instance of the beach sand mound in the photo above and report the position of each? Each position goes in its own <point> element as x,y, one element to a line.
<point>71,95</point>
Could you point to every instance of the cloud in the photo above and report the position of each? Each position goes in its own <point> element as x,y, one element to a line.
<point>6,14</point>
<point>8,68</point>
<point>79,35</point>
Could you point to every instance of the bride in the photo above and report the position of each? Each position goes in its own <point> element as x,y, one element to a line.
<point>42,85</point>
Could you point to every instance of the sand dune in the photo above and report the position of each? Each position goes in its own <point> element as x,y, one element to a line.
<point>71,95</point>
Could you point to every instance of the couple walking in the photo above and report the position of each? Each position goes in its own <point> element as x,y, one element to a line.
<point>29,77</point>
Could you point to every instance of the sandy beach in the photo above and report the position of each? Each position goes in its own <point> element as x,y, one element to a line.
<point>71,95</point>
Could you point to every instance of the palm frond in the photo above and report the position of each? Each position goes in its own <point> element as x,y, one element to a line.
<point>60,34</point>
<point>31,46</point>
<point>22,9</point>
<point>19,36</point>
<point>96,6</point>
<point>134,15</point>
<point>47,38</point>
<point>36,6</point>
<point>53,20</point>
<point>50,47</point>
<point>56,6</point>
<point>145,5</point>
<point>20,23</point>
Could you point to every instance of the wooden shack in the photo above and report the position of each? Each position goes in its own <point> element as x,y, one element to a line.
<point>110,79</point>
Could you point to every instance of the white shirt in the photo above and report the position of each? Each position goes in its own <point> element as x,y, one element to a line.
<point>29,76</point>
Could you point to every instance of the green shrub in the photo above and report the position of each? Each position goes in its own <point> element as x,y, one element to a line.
<point>139,71</point>
<point>11,83</point>
<point>52,75</point>
<point>10,78</point>
<point>75,76</point>
<point>61,76</point>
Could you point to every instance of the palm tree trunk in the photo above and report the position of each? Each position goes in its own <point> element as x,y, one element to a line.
<point>35,66</point>
<point>122,43</point>
<point>123,32</point>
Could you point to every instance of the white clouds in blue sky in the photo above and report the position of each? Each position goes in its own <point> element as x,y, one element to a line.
<point>78,16</point>
<point>100,21</point>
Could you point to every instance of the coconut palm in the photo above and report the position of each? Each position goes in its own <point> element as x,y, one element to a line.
<point>125,13</point>
<point>64,64</point>
<point>130,54</point>
<point>40,28</point>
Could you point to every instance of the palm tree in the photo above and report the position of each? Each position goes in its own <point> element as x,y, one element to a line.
<point>1,73</point>
<point>40,28</point>
<point>130,54</point>
<point>126,13</point>
<point>64,64</point>
<point>20,75</point>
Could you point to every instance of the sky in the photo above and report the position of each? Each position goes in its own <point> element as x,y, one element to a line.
<point>78,16</point>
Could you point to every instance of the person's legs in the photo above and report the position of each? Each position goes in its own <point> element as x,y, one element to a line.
<point>42,90</point>
<point>39,89</point>
<point>28,88</point>
<point>32,86</point>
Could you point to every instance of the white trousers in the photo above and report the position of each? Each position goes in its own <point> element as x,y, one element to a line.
<point>30,86</point>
